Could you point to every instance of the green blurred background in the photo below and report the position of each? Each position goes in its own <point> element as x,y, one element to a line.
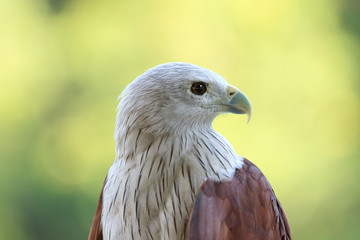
<point>63,63</point>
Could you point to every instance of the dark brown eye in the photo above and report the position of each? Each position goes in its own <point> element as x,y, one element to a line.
<point>198,88</point>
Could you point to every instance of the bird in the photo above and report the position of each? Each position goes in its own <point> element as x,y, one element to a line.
<point>174,176</point>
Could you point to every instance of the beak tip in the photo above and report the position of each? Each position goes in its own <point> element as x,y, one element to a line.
<point>249,117</point>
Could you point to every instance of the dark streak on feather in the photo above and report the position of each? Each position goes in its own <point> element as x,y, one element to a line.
<point>160,142</point>
<point>177,192</point>
<point>148,149</point>
<point>171,154</point>
<point>181,145</point>
<point>132,232</point>
<point>222,144</point>
<point>223,157</point>
<point>182,170</point>
<point>190,181</point>
<point>212,169</point>
<point>147,204</point>
<point>137,138</point>
<point>125,196</point>
<point>175,223</point>
<point>137,187</point>
<point>137,212</point>
<point>161,190</point>
<point>161,162</point>
<point>151,236</point>
<point>151,167</point>
<point>202,164</point>
<point>162,167</point>
<point>174,210</point>
<point>167,225</point>
<point>116,194</point>
<point>203,142</point>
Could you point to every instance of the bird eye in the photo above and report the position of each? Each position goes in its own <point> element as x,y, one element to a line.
<point>198,88</point>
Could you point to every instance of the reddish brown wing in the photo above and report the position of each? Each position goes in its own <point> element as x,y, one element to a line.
<point>96,228</point>
<point>244,208</point>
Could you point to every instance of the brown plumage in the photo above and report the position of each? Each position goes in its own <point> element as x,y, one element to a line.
<point>96,228</point>
<point>244,208</point>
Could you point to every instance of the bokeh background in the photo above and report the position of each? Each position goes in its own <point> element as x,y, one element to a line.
<point>63,63</point>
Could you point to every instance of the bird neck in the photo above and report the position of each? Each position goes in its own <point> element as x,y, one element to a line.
<point>154,180</point>
<point>199,144</point>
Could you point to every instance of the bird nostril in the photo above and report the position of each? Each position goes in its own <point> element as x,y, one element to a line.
<point>231,93</point>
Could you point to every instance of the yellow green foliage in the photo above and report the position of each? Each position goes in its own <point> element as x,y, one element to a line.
<point>63,64</point>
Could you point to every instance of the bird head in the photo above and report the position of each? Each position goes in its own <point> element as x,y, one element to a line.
<point>179,95</point>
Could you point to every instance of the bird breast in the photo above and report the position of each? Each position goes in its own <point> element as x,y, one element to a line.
<point>152,184</point>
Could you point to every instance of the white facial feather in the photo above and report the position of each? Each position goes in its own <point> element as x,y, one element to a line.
<point>162,95</point>
<point>165,149</point>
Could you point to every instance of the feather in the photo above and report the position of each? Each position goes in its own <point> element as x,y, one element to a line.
<point>96,228</point>
<point>244,208</point>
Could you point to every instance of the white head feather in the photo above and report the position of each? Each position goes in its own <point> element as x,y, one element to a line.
<point>160,100</point>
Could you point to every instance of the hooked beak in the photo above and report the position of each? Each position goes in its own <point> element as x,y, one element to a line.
<point>236,102</point>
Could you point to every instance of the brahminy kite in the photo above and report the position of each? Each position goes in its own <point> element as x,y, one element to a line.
<point>174,176</point>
